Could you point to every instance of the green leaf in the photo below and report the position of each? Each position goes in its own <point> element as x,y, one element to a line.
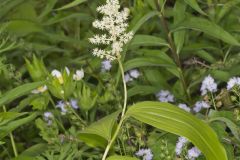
<point>172,119</point>
<point>9,127</point>
<point>72,4</point>
<point>194,5</point>
<point>207,27</point>
<point>18,92</point>
<point>179,15</point>
<point>147,40</point>
<point>6,117</point>
<point>232,126</point>
<point>35,150</point>
<point>23,27</point>
<point>135,27</point>
<point>148,61</point>
<point>227,8</point>
<point>142,90</point>
<point>121,158</point>
<point>98,133</point>
<point>93,140</point>
<point>103,127</point>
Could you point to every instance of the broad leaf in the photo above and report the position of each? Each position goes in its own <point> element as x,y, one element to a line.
<point>179,15</point>
<point>103,127</point>
<point>194,5</point>
<point>145,18</point>
<point>172,119</point>
<point>6,117</point>
<point>18,92</point>
<point>35,150</point>
<point>147,40</point>
<point>98,133</point>
<point>9,127</point>
<point>207,27</point>
<point>72,4</point>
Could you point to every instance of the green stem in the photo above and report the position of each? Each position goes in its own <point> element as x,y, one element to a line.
<point>122,115</point>
<point>214,105</point>
<point>12,139</point>
<point>80,119</point>
<point>174,53</point>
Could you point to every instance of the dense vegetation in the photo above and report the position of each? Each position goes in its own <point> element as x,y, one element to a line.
<point>120,80</point>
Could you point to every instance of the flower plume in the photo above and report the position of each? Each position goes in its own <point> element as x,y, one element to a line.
<point>114,23</point>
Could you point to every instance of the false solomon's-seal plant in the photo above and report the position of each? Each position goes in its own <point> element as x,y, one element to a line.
<point>114,22</point>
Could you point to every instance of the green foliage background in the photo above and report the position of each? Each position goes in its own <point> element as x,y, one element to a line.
<point>176,44</point>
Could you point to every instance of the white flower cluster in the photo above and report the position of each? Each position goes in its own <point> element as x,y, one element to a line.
<point>146,154</point>
<point>63,105</point>
<point>40,89</point>
<point>165,96</point>
<point>184,107</point>
<point>208,85</point>
<point>48,116</point>
<point>199,105</point>
<point>235,81</point>
<point>114,22</point>
<point>193,153</point>
<point>106,65</point>
<point>77,76</point>
<point>130,75</point>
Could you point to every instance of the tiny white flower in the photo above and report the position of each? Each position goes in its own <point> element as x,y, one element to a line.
<point>184,107</point>
<point>78,75</point>
<point>106,65</point>
<point>134,73</point>
<point>180,144</point>
<point>67,70</point>
<point>57,74</point>
<point>199,105</point>
<point>146,154</point>
<point>235,81</point>
<point>193,153</point>
<point>208,85</point>
<point>40,89</point>
<point>127,78</point>
<point>165,96</point>
<point>114,22</point>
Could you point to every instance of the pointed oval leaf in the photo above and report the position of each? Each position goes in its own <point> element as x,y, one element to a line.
<point>18,92</point>
<point>145,18</point>
<point>194,5</point>
<point>103,127</point>
<point>72,4</point>
<point>172,119</point>
<point>207,27</point>
<point>147,40</point>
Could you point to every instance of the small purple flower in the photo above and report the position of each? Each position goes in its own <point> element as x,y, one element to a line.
<point>165,96</point>
<point>180,144</point>
<point>62,106</point>
<point>208,85</point>
<point>184,107</point>
<point>106,65</point>
<point>74,103</point>
<point>47,116</point>
<point>193,153</point>
<point>199,105</point>
<point>134,73</point>
<point>145,153</point>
